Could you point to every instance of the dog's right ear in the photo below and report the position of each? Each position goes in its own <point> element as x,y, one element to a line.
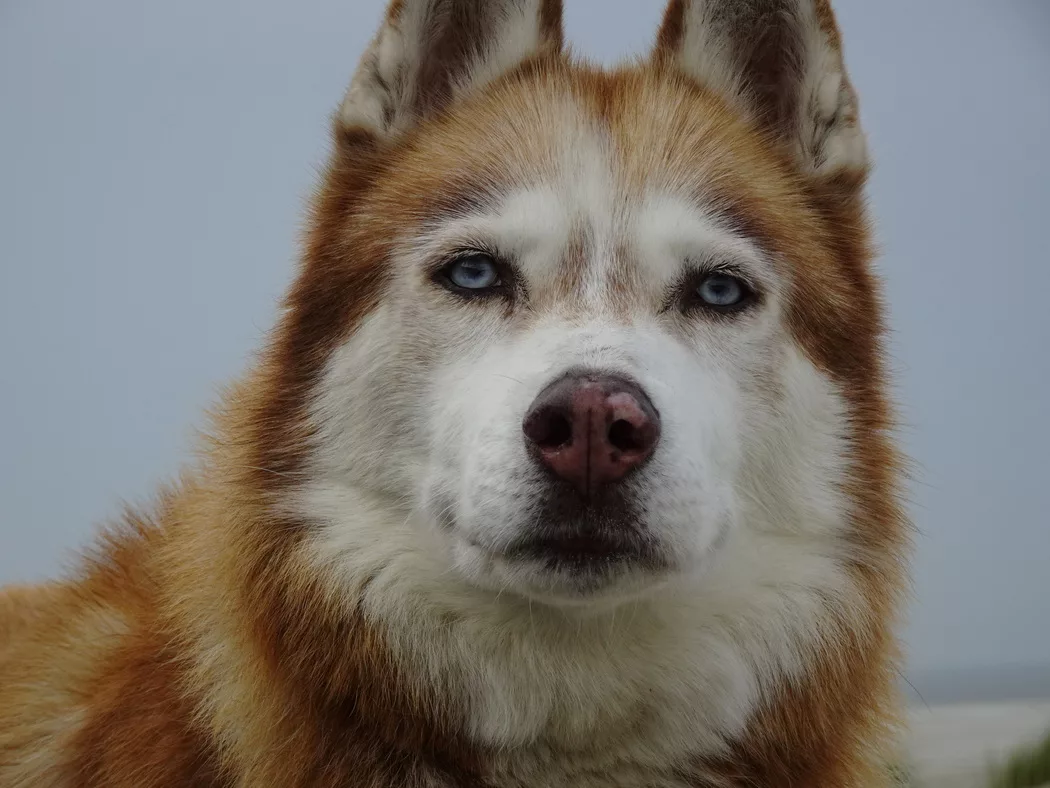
<point>429,53</point>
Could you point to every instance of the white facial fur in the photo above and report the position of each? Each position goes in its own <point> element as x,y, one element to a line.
<point>462,375</point>
<point>420,476</point>
<point>481,474</point>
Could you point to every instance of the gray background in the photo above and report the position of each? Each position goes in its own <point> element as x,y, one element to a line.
<point>154,160</point>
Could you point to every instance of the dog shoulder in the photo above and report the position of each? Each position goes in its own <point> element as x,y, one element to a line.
<point>89,684</point>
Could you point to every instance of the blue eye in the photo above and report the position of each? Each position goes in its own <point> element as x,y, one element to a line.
<point>473,272</point>
<point>722,291</point>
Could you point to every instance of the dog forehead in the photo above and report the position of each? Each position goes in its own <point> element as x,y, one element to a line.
<point>585,131</point>
<point>565,177</point>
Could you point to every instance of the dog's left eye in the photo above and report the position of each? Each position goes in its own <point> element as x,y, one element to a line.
<point>722,291</point>
<point>474,272</point>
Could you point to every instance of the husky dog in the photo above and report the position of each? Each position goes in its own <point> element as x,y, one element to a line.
<point>568,463</point>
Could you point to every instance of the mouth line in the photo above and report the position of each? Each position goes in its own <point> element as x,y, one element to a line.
<point>584,552</point>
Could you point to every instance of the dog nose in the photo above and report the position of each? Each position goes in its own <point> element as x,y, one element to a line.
<point>592,429</point>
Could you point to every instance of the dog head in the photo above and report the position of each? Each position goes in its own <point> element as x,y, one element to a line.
<point>576,327</point>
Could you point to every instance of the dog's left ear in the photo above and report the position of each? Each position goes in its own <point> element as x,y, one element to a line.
<point>781,62</point>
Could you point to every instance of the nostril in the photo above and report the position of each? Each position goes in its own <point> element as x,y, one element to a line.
<point>559,430</point>
<point>549,428</point>
<point>625,436</point>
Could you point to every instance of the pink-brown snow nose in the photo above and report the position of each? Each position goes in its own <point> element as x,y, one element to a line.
<point>592,429</point>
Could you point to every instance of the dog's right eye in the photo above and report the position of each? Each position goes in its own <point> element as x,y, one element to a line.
<point>472,274</point>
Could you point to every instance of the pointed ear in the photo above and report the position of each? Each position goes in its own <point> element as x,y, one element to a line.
<point>428,53</point>
<point>781,62</point>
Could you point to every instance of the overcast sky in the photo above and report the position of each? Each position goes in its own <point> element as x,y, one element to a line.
<point>154,160</point>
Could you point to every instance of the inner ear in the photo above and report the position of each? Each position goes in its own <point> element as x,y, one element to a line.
<point>772,57</point>
<point>429,53</point>
<point>453,43</point>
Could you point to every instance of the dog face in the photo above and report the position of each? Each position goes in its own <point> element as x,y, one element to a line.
<point>586,362</point>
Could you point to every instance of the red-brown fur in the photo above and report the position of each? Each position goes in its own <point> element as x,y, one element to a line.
<point>195,649</point>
